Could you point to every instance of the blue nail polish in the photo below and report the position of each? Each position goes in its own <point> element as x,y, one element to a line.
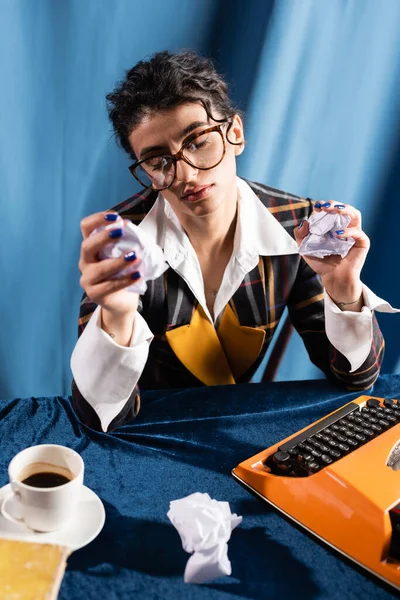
<point>130,256</point>
<point>339,231</point>
<point>116,233</point>
<point>339,206</point>
<point>136,275</point>
<point>326,204</point>
<point>317,205</point>
<point>301,224</point>
<point>111,217</point>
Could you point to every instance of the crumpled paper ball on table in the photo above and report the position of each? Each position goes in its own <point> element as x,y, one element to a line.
<point>150,262</point>
<point>204,526</point>
<point>321,240</point>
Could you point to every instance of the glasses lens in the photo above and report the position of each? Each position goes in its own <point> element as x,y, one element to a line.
<point>205,151</point>
<point>157,171</point>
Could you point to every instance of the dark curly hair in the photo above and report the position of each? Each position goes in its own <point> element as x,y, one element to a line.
<point>166,80</point>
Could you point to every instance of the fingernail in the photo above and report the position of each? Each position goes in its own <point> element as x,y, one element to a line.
<point>326,204</point>
<point>135,275</point>
<point>301,224</point>
<point>116,233</point>
<point>339,206</point>
<point>130,256</point>
<point>317,205</point>
<point>339,231</point>
<point>111,217</point>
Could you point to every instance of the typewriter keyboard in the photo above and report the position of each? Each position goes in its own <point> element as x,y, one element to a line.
<point>334,437</point>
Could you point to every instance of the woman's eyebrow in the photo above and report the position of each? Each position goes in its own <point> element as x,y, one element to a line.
<point>183,134</point>
<point>192,127</point>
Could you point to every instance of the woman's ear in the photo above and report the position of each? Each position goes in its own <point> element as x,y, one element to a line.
<point>236,134</point>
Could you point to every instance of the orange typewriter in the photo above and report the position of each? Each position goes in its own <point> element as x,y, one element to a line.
<point>340,479</point>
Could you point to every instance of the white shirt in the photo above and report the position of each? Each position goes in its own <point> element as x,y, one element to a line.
<point>107,373</point>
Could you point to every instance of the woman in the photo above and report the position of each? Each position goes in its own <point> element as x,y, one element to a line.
<point>232,251</point>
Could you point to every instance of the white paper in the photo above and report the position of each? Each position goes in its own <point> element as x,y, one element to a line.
<point>205,526</point>
<point>321,240</point>
<point>150,257</point>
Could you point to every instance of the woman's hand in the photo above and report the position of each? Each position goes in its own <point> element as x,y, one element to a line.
<point>118,305</point>
<point>340,276</point>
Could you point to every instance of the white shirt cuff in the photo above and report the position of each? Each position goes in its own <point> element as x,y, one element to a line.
<point>105,372</point>
<point>351,332</point>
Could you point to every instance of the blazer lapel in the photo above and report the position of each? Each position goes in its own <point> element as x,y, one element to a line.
<point>242,345</point>
<point>197,346</point>
<point>217,358</point>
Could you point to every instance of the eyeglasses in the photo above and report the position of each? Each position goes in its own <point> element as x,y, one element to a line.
<point>203,151</point>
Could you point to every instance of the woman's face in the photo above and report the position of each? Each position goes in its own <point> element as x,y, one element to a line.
<point>211,189</point>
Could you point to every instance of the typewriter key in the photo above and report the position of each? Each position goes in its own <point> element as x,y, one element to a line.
<point>368,432</point>
<point>335,453</point>
<point>344,447</point>
<point>352,442</point>
<point>358,429</point>
<point>326,459</point>
<point>305,457</point>
<point>376,428</point>
<point>350,434</point>
<point>313,466</point>
<point>340,437</point>
<point>316,453</point>
<point>388,402</point>
<point>373,402</point>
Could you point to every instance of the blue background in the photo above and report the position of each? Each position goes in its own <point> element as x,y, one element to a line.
<point>320,85</point>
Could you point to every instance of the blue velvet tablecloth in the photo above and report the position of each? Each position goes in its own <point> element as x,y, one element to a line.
<point>182,442</point>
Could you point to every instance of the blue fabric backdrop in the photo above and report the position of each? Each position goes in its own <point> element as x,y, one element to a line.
<point>319,82</point>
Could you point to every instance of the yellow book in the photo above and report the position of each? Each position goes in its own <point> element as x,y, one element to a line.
<point>30,571</point>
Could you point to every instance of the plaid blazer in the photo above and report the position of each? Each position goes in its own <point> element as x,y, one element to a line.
<point>256,307</point>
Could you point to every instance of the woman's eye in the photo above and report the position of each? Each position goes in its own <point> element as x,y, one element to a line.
<point>158,163</point>
<point>197,145</point>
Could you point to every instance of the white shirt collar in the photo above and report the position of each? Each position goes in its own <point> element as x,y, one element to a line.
<point>258,233</point>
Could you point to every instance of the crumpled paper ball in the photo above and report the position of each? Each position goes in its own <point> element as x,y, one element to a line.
<point>321,240</point>
<point>205,526</point>
<point>150,262</point>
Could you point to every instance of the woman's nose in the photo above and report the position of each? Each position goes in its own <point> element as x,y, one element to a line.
<point>185,172</point>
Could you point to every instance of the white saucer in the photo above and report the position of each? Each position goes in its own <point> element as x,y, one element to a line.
<point>84,527</point>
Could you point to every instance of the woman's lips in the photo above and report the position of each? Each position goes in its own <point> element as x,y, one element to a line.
<point>202,193</point>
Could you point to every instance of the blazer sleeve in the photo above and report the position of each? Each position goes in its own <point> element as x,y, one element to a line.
<point>306,310</point>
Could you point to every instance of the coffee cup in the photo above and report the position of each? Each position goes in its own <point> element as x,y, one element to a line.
<point>46,483</point>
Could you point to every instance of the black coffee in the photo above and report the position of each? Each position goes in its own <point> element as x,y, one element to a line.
<point>46,480</point>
